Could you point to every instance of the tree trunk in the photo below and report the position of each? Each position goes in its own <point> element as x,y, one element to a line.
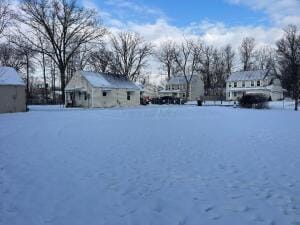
<point>27,79</point>
<point>45,81</point>
<point>187,91</point>
<point>169,73</point>
<point>296,100</point>
<point>62,71</point>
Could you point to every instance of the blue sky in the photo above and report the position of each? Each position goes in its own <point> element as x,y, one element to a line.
<point>182,13</point>
<point>215,22</point>
<point>214,10</point>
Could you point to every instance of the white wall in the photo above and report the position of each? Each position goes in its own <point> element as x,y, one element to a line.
<point>114,97</point>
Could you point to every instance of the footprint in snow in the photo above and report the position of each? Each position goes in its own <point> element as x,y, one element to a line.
<point>208,209</point>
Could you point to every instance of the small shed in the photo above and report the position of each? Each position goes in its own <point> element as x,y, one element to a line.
<point>12,91</point>
<point>101,90</point>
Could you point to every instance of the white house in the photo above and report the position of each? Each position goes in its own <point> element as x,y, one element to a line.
<point>149,90</point>
<point>253,82</point>
<point>12,91</point>
<point>176,87</point>
<point>100,90</point>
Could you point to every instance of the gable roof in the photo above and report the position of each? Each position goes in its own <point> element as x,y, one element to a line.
<point>9,76</point>
<point>248,75</point>
<point>103,80</point>
<point>179,80</point>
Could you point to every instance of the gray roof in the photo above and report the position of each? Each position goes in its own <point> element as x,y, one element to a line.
<point>248,75</point>
<point>9,76</point>
<point>103,80</point>
<point>179,80</point>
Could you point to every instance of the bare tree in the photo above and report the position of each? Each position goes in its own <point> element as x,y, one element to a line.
<point>265,58</point>
<point>187,56</point>
<point>130,53</point>
<point>100,59</point>
<point>4,15</point>
<point>25,48</point>
<point>64,25</point>
<point>229,56</point>
<point>288,49</point>
<point>42,59</point>
<point>206,67</point>
<point>165,55</point>
<point>247,52</point>
<point>11,56</point>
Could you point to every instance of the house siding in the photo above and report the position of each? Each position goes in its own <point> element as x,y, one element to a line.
<point>234,93</point>
<point>12,99</point>
<point>114,97</point>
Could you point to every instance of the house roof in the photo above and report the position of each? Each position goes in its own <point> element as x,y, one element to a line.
<point>248,75</point>
<point>178,80</point>
<point>9,76</point>
<point>113,81</point>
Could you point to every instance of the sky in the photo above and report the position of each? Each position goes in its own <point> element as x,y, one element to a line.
<point>214,22</point>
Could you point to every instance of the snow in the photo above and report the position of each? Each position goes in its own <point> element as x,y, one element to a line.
<point>150,165</point>
<point>96,80</point>
<point>103,80</point>
<point>9,76</point>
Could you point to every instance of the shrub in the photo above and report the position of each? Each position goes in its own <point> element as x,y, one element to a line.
<point>257,101</point>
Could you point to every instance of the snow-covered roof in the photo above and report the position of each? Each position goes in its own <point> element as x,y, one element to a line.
<point>9,76</point>
<point>103,80</point>
<point>248,75</point>
<point>178,80</point>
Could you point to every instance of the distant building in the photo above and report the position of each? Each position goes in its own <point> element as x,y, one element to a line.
<point>254,82</point>
<point>99,90</point>
<point>177,87</point>
<point>12,91</point>
<point>149,91</point>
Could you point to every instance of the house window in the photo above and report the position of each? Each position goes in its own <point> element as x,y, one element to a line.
<point>234,94</point>
<point>128,96</point>
<point>104,93</point>
<point>229,94</point>
<point>229,85</point>
<point>243,84</point>
<point>235,84</point>
<point>85,96</point>
<point>252,83</point>
<point>258,83</point>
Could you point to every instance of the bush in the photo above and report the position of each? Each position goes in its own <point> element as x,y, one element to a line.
<point>257,101</point>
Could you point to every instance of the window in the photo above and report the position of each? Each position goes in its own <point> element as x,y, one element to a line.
<point>252,83</point>
<point>85,96</point>
<point>128,96</point>
<point>104,93</point>
<point>229,85</point>
<point>235,84</point>
<point>229,94</point>
<point>243,84</point>
<point>258,83</point>
<point>234,94</point>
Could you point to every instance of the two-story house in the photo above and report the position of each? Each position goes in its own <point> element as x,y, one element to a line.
<point>177,87</point>
<point>253,82</point>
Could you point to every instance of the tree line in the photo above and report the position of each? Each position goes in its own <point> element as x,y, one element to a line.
<point>55,38</point>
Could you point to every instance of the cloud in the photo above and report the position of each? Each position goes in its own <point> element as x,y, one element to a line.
<point>280,12</point>
<point>213,33</point>
<point>134,7</point>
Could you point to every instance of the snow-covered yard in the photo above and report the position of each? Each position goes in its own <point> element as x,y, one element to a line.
<point>156,165</point>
